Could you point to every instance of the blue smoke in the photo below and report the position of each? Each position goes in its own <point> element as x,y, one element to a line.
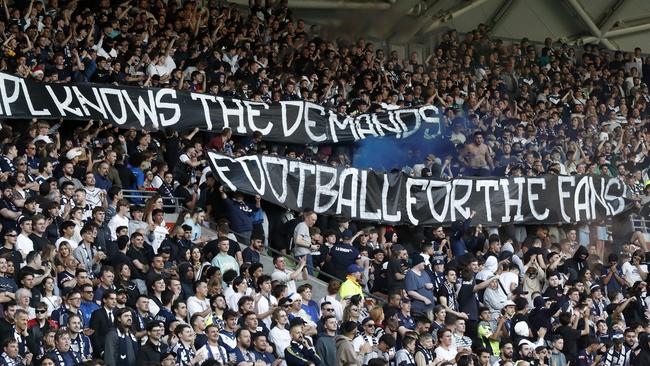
<point>387,153</point>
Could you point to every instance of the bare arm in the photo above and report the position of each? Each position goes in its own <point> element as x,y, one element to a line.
<point>484,284</point>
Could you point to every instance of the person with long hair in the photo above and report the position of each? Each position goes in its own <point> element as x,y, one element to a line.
<point>279,334</point>
<point>153,202</point>
<point>48,297</point>
<point>62,254</point>
<point>198,262</point>
<point>183,216</point>
<point>351,312</point>
<point>123,281</point>
<point>240,289</point>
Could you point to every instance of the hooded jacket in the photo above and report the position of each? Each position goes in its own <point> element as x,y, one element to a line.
<point>345,353</point>
<point>577,263</point>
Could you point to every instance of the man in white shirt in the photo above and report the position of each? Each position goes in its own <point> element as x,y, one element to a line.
<point>161,65</point>
<point>265,303</point>
<point>157,232</point>
<point>199,303</point>
<point>287,276</point>
<point>212,350</point>
<point>633,270</point>
<point>23,243</point>
<point>120,219</point>
<point>510,279</point>
<point>95,197</point>
<point>67,233</point>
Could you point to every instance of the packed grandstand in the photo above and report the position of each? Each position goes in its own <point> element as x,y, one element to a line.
<point>126,246</point>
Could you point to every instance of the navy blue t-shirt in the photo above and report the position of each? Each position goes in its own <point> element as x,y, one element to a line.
<point>342,256</point>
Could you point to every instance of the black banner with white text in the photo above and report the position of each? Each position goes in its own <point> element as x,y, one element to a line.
<point>151,109</point>
<point>396,198</point>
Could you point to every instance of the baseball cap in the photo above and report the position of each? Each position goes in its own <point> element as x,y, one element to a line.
<point>525,341</point>
<point>594,287</point>
<point>397,248</point>
<point>438,260</point>
<point>354,268</point>
<point>73,153</point>
<point>509,303</point>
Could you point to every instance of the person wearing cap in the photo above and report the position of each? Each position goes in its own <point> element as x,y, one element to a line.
<point>342,255</point>
<point>597,301</point>
<point>588,356</point>
<point>153,349</point>
<point>419,287</point>
<point>617,354</point>
<point>297,312</point>
<point>352,284</point>
<point>525,350</point>
<point>300,352</point>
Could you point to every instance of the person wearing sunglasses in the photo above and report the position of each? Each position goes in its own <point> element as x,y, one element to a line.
<point>367,335</point>
<point>39,326</point>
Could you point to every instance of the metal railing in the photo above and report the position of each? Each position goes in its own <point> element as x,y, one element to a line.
<point>294,261</point>
<point>640,223</point>
<point>136,194</point>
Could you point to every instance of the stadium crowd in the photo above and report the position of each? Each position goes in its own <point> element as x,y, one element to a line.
<point>90,277</point>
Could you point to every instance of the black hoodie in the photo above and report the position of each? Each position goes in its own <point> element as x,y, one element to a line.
<point>574,265</point>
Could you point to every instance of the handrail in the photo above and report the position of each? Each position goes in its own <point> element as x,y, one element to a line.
<point>277,253</point>
<point>136,193</point>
